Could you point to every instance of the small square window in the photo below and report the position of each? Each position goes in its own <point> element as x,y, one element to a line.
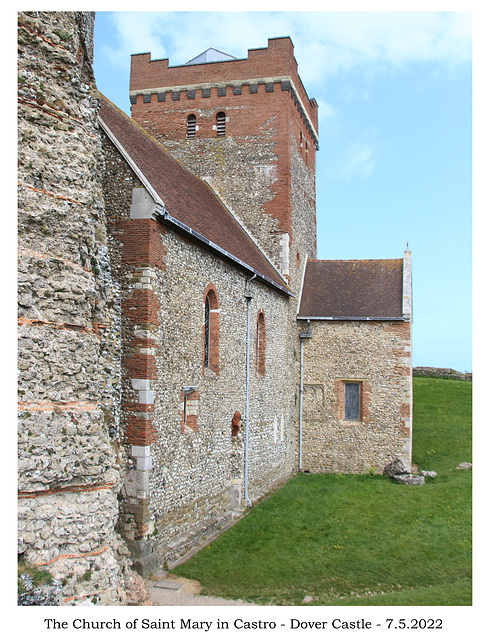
<point>253,88</point>
<point>237,91</point>
<point>206,93</point>
<point>176,95</point>
<point>352,400</point>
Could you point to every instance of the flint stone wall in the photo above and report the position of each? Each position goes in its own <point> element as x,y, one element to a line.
<point>195,469</point>
<point>378,355</point>
<point>196,477</point>
<point>69,335</point>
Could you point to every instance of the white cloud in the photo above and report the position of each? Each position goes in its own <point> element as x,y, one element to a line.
<point>358,160</point>
<point>326,43</point>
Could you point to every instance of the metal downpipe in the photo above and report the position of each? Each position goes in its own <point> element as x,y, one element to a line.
<point>304,335</point>
<point>301,399</point>
<point>248,296</point>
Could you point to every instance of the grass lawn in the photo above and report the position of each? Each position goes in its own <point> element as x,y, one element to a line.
<point>360,539</point>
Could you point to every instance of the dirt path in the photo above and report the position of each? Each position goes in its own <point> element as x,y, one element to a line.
<point>180,592</point>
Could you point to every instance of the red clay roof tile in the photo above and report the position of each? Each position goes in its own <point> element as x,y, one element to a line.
<point>187,198</point>
<point>352,289</point>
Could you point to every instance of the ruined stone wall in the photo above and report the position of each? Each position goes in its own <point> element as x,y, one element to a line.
<point>188,479</point>
<point>377,355</point>
<point>69,317</point>
<point>434,372</point>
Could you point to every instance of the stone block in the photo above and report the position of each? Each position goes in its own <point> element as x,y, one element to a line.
<point>140,384</point>
<point>136,481</point>
<point>408,478</point>
<point>144,464</point>
<point>140,452</point>
<point>146,397</point>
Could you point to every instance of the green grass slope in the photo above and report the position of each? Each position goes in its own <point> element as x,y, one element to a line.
<point>360,539</point>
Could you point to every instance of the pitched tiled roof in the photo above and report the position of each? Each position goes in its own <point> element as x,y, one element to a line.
<point>187,199</point>
<point>352,289</point>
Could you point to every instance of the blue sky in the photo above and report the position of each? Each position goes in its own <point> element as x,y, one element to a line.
<point>395,136</point>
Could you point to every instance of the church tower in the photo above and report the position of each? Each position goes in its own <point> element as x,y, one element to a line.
<point>248,128</point>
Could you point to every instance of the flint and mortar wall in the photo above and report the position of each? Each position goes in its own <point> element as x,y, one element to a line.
<point>69,338</point>
<point>198,473</point>
<point>377,354</point>
<point>194,479</point>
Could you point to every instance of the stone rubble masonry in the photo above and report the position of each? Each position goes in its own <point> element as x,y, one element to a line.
<point>186,482</point>
<point>377,356</point>
<point>69,333</point>
<point>434,372</point>
<point>253,166</point>
<point>123,425</point>
<point>138,251</point>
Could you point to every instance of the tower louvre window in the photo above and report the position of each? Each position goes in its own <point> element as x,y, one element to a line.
<point>191,126</point>
<point>221,124</point>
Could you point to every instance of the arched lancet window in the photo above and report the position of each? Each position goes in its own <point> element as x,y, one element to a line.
<point>211,330</point>
<point>191,126</point>
<point>261,343</point>
<point>221,124</point>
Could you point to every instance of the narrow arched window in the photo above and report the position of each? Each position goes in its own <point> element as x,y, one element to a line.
<point>191,126</point>
<point>261,343</point>
<point>211,330</point>
<point>207,325</point>
<point>221,124</point>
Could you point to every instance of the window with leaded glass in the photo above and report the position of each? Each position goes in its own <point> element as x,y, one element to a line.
<point>261,340</point>
<point>207,317</point>
<point>211,330</point>
<point>352,400</point>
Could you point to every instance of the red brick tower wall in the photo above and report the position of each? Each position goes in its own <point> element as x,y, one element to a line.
<point>269,118</point>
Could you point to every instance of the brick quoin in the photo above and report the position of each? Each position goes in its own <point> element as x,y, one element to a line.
<point>400,329</point>
<point>142,307</point>
<point>142,243</point>
<point>139,432</point>
<point>140,366</point>
<point>142,248</point>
